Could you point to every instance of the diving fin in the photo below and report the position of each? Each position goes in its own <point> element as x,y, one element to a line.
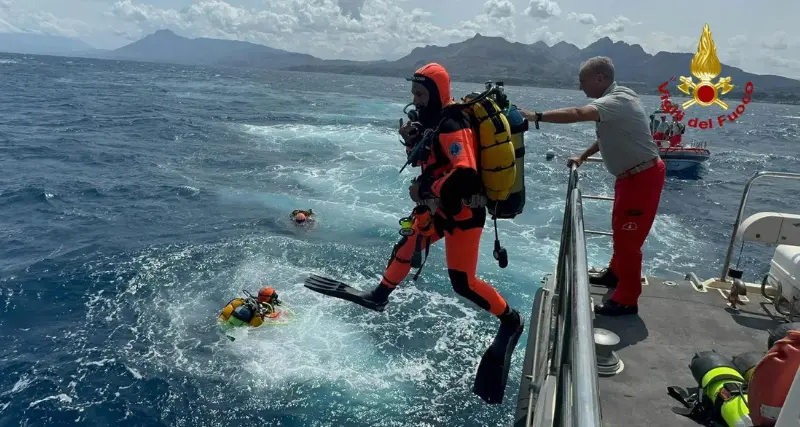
<point>492,375</point>
<point>343,291</point>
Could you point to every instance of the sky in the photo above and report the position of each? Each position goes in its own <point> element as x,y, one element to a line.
<point>757,36</point>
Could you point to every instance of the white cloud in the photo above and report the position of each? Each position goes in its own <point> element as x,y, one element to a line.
<point>772,54</point>
<point>658,41</point>
<point>499,8</point>
<point>778,40</point>
<point>351,8</point>
<point>544,34</point>
<point>354,29</point>
<point>5,27</point>
<point>145,15</point>
<point>543,9</point>
<point>21,17</point>
<point>496,20</point>
<point>583,18</point>
<point>615,26</point>
<point>376,29</point>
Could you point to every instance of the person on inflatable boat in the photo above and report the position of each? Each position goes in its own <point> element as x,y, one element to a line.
<point>677,129</point>
<point>250,310</point>
<point>662,131</point>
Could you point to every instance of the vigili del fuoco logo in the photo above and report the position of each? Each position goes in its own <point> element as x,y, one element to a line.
<point>705,66</point>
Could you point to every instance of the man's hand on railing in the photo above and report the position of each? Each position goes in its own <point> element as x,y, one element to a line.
<point>576,160</point>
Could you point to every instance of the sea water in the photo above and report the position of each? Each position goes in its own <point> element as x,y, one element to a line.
<point>137,199</point>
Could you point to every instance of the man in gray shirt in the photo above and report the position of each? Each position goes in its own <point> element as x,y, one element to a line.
<point>629,153</point>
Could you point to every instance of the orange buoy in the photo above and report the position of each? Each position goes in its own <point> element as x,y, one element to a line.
<point>772,379</point>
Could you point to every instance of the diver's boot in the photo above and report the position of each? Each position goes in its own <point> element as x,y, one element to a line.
<point>510,323</point>
<point>606,278</point>
<point>613,308</point>
<point>380,295</point>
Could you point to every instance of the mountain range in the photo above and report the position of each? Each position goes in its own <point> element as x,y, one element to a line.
<point>44,44</point>
<point>476,59</point>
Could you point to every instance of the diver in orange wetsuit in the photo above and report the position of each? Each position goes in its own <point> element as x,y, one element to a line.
<point>449,174</point>
<point>449,179</point>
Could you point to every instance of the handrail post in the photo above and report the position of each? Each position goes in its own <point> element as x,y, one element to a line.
<point>586,396</point>
<point>562,275</point>
<point>742,205</point>
<point>570,385</point>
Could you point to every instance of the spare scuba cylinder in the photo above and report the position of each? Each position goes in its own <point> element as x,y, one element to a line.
<point>772,379</point>
<point>780,332</point>
<point>746,363</point>
<point>723,388</point>
<point>721,395</point>
<point>243,313</point>
<point>514,204</point>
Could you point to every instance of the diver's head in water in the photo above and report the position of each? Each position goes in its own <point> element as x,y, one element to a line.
<point>268,295</point>
<point>430,88</point>
<point>300,217</point>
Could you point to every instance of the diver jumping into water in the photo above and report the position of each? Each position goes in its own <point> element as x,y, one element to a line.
<point>450,176</point>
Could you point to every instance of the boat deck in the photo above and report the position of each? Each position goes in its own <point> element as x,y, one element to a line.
<point>675,320</point>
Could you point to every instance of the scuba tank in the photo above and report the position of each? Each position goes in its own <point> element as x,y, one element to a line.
<point>512,205</point>
<point>721,395</point>
<point>723,387</point>
<point>515,203</point>
<point>746,363</point>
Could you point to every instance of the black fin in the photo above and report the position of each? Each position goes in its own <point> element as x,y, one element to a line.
<point>343,291</point>
<point>492,375</point>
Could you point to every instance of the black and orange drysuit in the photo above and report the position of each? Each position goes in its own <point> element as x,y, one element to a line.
<point>449,174</point>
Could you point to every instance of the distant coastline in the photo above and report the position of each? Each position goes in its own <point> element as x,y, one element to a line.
<point>474,60</point>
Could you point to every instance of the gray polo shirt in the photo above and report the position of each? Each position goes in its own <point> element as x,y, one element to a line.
<point>623,130</point>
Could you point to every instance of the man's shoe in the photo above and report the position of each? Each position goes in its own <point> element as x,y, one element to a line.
<point>613,308</point>
<point>606,278</point>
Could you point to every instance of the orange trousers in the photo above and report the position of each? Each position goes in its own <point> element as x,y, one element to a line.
<point>461,246</point>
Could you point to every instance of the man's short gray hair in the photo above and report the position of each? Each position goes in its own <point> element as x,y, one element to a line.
<point>599,65</point>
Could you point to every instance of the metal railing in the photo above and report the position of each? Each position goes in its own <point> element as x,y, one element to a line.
<point>559,385</point>
<point>742,205</point>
